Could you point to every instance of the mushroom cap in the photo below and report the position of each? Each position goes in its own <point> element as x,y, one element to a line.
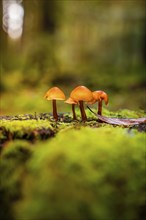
<point>71,101</point>
<point>100,95</point>
<point>81,93</point>
<point>54,94</point>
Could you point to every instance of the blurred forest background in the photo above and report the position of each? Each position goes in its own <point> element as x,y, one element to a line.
<point>65,43</point>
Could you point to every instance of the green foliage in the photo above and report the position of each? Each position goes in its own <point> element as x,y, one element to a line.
<point>86,174</point>
<point>76,42</point>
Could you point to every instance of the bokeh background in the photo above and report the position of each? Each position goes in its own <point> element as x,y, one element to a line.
<point>65,43</point>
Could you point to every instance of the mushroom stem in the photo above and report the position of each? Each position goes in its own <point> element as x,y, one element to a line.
<point>55,115</point>
<point>82,110</point>
<point>74,113</point>
<point>99,107</point>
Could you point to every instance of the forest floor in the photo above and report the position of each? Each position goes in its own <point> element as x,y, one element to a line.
<point>42,159</point>
<point>32,127</point>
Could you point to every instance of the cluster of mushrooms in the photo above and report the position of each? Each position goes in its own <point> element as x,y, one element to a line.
<point>78,96</point>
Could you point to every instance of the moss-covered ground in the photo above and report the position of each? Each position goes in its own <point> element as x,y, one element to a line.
<point>72,170</point>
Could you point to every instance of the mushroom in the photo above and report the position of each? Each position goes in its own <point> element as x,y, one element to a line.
<point>80,94</point>
<point>99,96</point>
<point>54,94</point>
<point>73,103</point>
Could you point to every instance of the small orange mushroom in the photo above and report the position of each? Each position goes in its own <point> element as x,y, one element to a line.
<point>73,103</point>
<point>99,96</point>
<point>79,95</point>
<point>54,94</point>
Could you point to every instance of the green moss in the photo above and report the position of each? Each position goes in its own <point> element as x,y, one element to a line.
<point>42,126</point>
<point>124,113</point>
<point>18,125</point>
<point>12,171</point>
<point>86,174</point>
<point>26,129</point>
<point>90,170</point>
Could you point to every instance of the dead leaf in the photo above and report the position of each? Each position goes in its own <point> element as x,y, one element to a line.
<point>119,121</point>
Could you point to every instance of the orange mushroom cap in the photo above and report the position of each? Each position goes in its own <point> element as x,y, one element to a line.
<point>71,101</point>
<point>54,93</point>
<point>81,93</point>
<point>100,95</point>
